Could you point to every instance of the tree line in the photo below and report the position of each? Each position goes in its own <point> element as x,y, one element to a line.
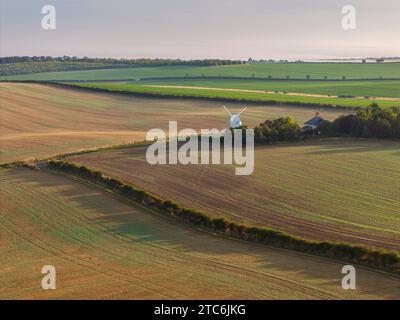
<point>370,122</point>
<point>281,129</point>
<point>22,65</point>
<point>142,61</point>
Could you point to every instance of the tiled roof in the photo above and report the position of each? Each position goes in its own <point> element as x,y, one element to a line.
<point>314,121</point>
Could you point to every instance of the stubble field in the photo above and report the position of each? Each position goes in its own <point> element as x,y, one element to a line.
<point>40,120</point>
<point>335,189</point>
<point>104,248</point>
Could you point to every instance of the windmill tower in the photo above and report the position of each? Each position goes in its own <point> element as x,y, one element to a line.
<point>234,120</point>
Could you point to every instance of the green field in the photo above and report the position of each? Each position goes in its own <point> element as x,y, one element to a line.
<point>261,97</point>
<point>336,189</point>
<point>359,93</point>
<point>390,89</point>
<point>278,70</point>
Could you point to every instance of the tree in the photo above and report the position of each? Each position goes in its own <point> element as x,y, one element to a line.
<point>280,129</point>
<point>372,122</point>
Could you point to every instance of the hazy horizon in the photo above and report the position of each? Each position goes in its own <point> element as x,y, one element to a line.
<point>261,29</point>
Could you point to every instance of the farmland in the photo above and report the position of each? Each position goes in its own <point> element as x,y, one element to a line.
<point>297,98</point>
<point>336,190</point>
<point>41,120</point>
<point>332,84</point>
<point>389,89</point>
<point>198,159</point>
<point>278,70</point>
<point>105,248</point>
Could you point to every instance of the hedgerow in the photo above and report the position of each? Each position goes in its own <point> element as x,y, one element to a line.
<point>281,129</point>
<point>372,122</point>
<point>376,258</point>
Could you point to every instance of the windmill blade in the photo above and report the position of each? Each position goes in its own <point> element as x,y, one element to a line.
<point>227,110</point>
<point>244,109</point>
<point>227,125</point>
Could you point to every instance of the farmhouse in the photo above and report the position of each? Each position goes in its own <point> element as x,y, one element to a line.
<point>312,124</point>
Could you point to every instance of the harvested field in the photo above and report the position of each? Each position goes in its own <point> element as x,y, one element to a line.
<point>39,120</point>
<point>337,189</point>
<point>105,248</point>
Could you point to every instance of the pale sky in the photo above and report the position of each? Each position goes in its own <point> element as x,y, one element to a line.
<point>189,29</point>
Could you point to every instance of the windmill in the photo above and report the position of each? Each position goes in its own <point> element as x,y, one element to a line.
<point>234,120</point>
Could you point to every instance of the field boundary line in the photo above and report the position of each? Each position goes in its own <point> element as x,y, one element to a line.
<point>171,96</point>
<point>283,79</point>
<point>203,230</point>
<point>372,258</point>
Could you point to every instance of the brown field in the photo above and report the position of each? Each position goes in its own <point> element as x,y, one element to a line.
<point>336,190</point>
<point>39,120</point>
<point>104,248</point>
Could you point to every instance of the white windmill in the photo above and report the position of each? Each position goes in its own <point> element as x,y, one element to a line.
<point>234,121</point>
